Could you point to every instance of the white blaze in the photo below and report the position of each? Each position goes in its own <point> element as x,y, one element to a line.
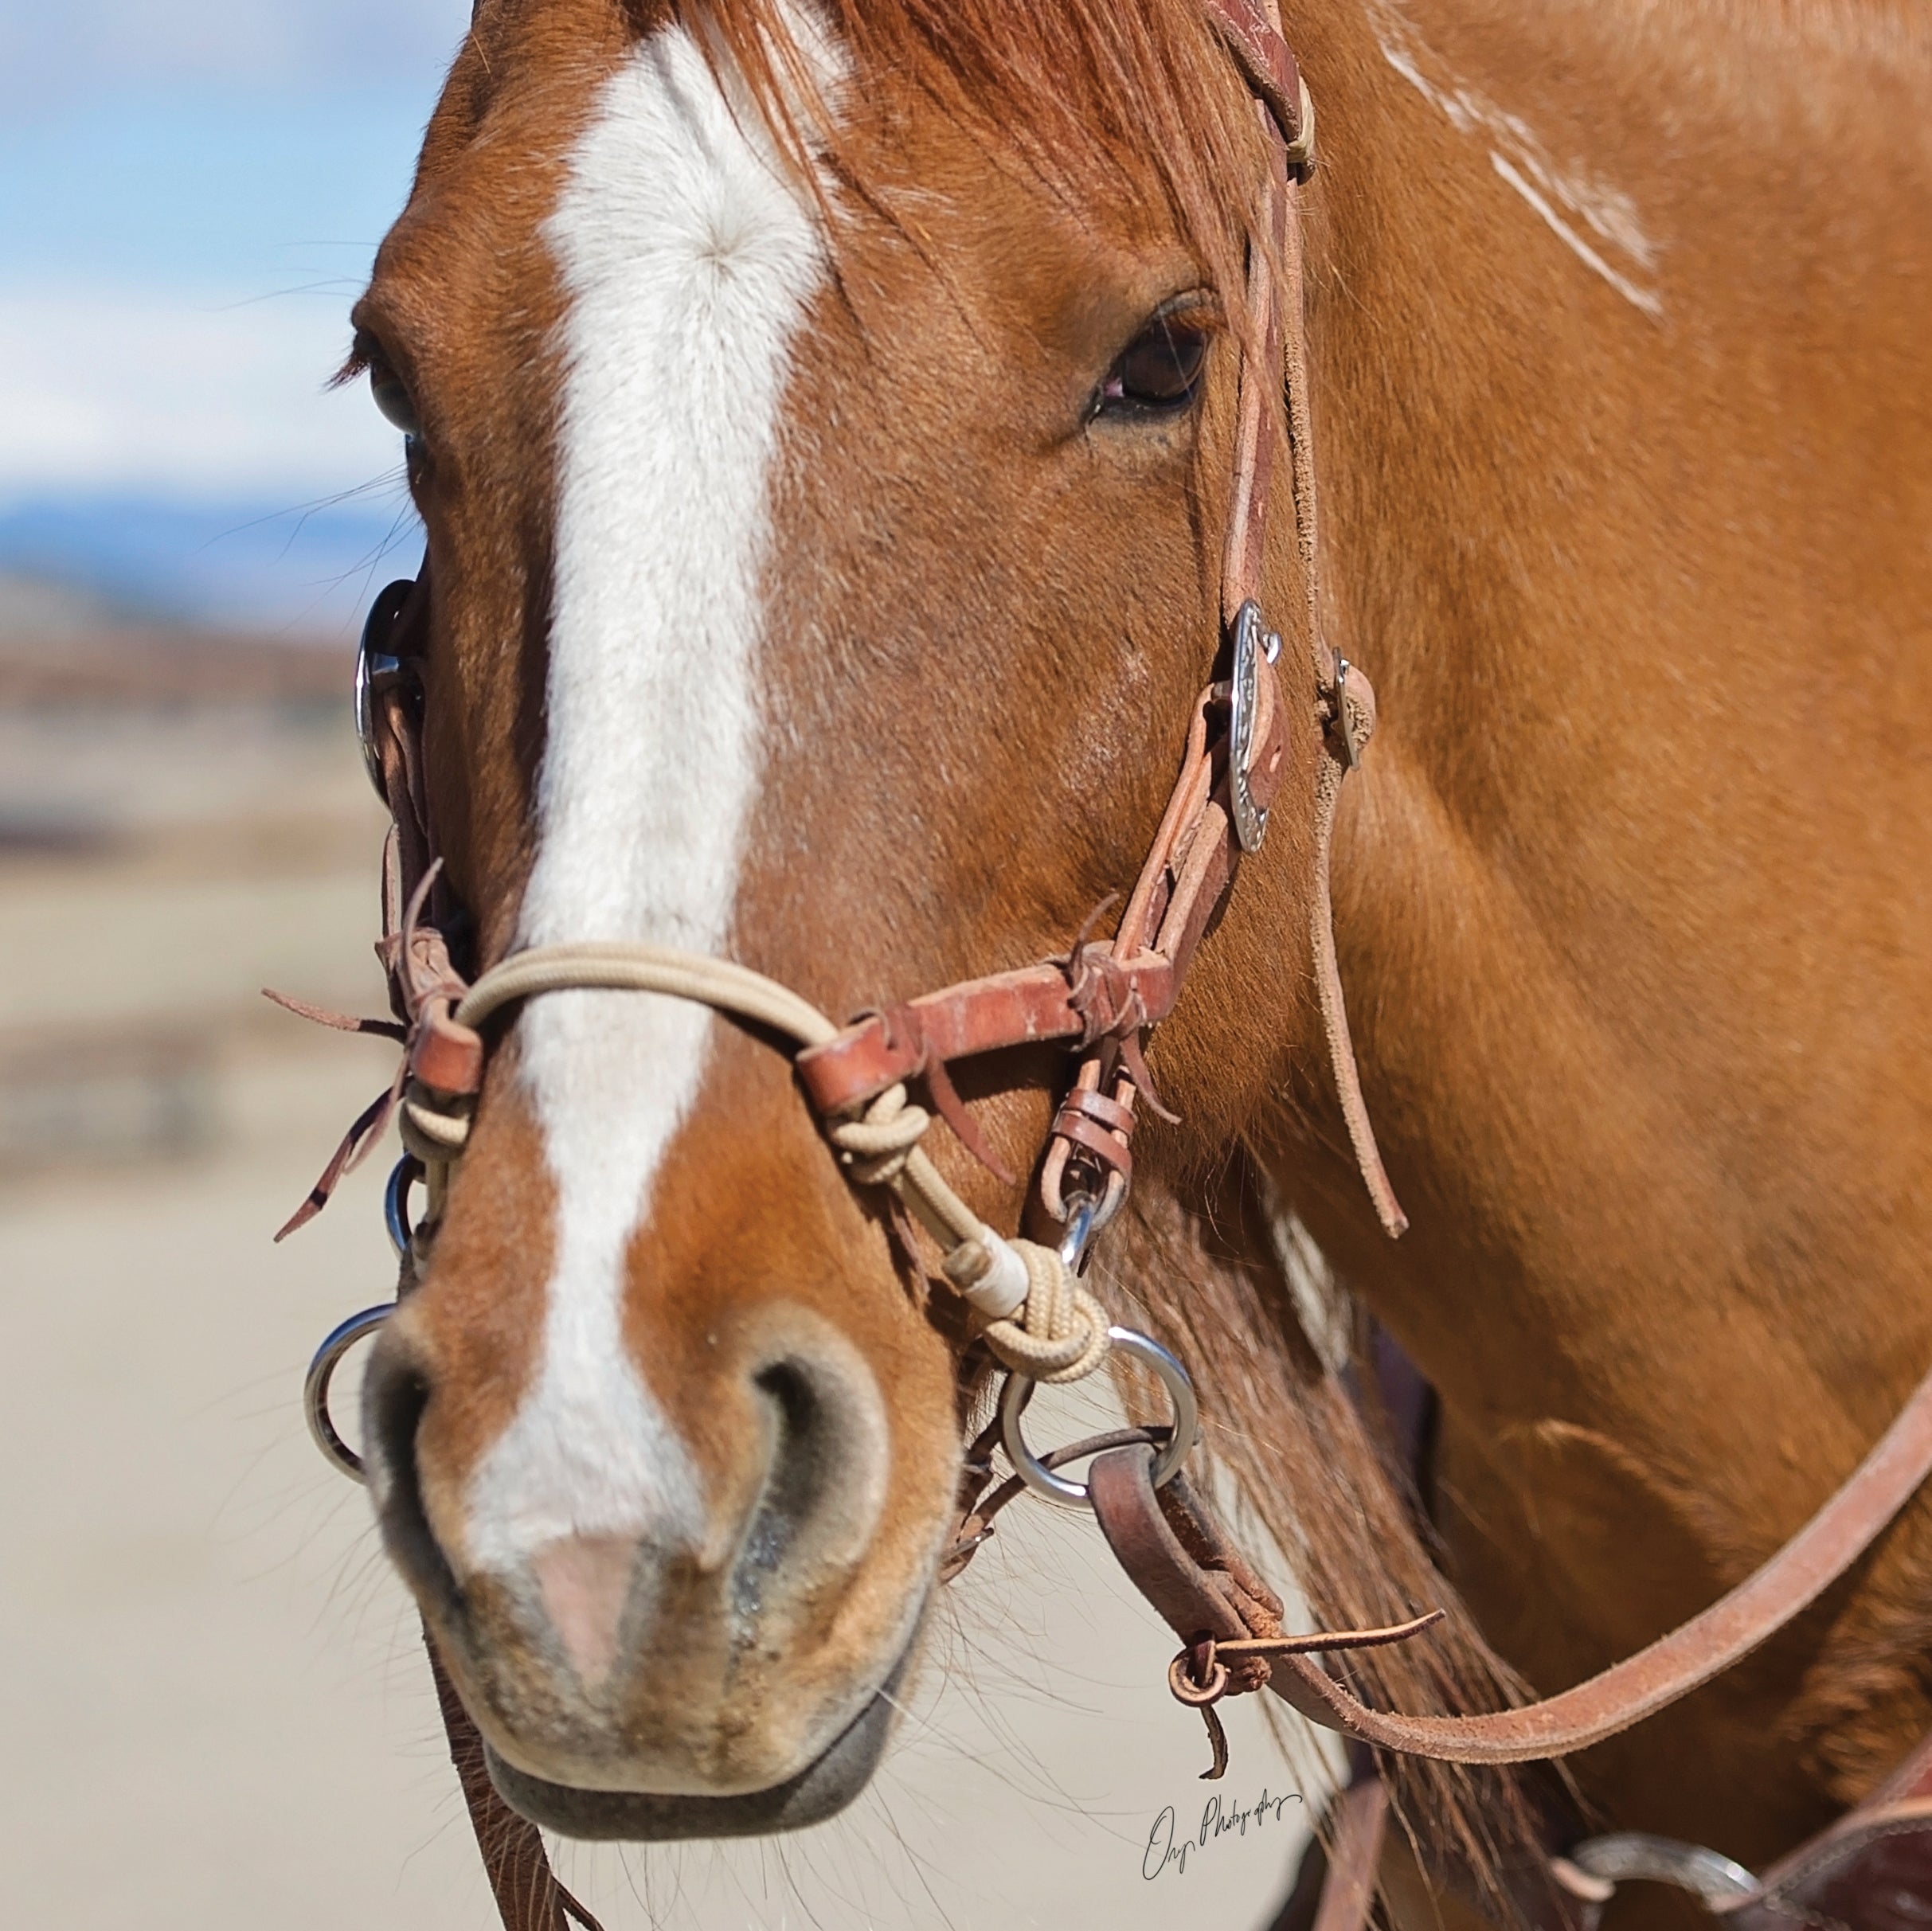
<point>688,259</point>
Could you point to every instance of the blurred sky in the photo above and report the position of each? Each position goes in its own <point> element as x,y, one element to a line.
<point>189,195</point>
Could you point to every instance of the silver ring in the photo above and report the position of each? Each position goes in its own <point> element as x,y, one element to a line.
<point>403,1176</point>
<point>315,1387</point>
<point>1629,1854</point>
<point>1167,1371</point>
<point>1080,1230</point>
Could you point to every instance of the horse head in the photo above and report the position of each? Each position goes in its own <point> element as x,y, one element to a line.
<point>825,422</point>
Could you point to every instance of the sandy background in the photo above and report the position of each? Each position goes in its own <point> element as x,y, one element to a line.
<point>216,1712</point>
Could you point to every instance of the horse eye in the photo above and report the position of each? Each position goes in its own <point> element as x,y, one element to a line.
<point>393,398</point>
<point>1158,372</point>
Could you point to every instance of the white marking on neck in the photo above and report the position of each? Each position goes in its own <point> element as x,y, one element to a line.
<point>1321,1302</point>
<point>688,259</point>
<point>1520,159</point>
<point>1647,300</point>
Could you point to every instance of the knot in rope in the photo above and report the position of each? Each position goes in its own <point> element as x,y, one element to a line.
<point>875,1147</point>
<point>1060,1334</point>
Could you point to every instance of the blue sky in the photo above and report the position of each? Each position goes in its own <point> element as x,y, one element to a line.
<point>189,196</point>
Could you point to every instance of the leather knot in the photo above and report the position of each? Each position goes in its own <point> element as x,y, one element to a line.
<point>905,1035</point>
<point>1105,995</point>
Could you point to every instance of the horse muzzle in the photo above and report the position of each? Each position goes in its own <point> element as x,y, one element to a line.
<point>719,1666</point>
<point>821,1790</point>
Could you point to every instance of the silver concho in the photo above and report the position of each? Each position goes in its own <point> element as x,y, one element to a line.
<point>375,665</point>
<point>1252,643</point>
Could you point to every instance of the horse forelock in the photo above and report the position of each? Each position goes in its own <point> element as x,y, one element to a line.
<point>1098,98</point>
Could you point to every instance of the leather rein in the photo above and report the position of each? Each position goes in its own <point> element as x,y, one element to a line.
<point>1097,1002</point>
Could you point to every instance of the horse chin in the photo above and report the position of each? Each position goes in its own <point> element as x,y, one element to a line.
<point>821,1790</point>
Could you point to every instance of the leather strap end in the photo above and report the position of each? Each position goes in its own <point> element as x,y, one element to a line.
<point>362,1136</point>
<point>338,1021</point>
<point>1267,65</point>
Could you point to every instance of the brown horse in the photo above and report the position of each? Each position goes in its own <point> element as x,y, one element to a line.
<point>823,418</point>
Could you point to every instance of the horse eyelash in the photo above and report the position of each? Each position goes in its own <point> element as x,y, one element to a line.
<point>356,364</point>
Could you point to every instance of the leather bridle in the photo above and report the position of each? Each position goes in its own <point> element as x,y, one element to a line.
<point>1098,1003</point>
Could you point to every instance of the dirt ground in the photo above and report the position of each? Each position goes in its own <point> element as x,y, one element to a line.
<point>216,1713</point>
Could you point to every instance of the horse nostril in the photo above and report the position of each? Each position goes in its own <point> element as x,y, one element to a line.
<point>795,1473</point>
<point>818,1505</point>
<point>396,1393</point>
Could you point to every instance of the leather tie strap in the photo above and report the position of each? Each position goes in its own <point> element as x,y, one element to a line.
<point>1194,1597</point>
<point>528,1896</point>
<point>1268,65</point>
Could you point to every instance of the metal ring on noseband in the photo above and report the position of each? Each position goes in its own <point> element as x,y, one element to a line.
<point>403,1176</point>
<point>1629,1856</point>
<point>315,1387</point>
<point>1171,1376</point>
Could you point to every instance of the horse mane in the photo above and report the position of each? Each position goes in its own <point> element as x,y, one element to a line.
<point>1310,1451</point>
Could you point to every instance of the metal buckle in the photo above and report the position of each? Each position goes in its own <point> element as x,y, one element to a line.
<point>1082,1223</point>
<point>376,668</point>
<point>1172,1376</point>
<point>1252,642</point>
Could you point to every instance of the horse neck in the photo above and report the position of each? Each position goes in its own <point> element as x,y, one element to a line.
<point>1633,993</point>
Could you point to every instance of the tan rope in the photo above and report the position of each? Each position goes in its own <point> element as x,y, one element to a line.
<point>621,967</point>
<point>1040,1321</point>
<point>1060,1335</point>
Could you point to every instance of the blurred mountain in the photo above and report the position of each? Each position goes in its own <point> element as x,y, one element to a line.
<point>62,644</point>
<point>34,609</point>
<point>259,569</point>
